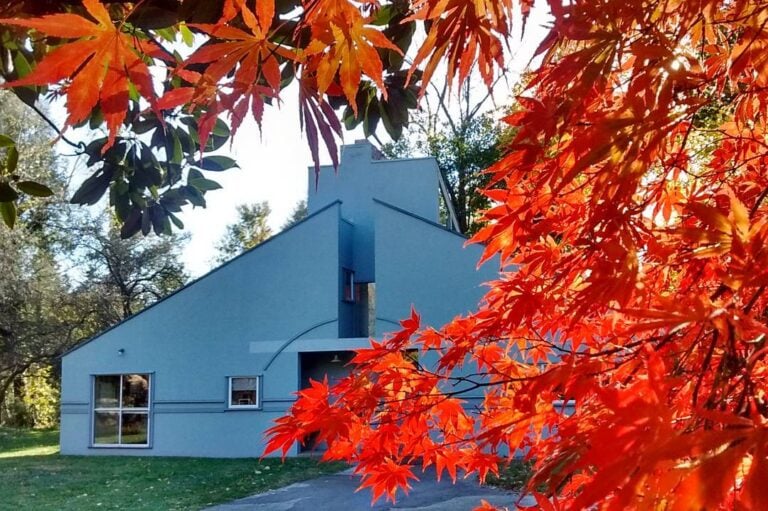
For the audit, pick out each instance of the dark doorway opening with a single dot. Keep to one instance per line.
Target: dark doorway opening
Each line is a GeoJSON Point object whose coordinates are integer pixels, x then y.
{"type": "Point", "coordinates": [317, 365]}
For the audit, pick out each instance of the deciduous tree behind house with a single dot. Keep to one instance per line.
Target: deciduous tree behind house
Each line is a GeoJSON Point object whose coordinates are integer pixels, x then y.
{"type": "Point", "coordinates": [122, 277]}
{"type": "Point", "coordinates": [250, 229]}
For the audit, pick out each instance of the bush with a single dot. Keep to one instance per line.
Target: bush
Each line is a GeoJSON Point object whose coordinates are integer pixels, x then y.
{"type": "Point", "coordinates": [41, 397]}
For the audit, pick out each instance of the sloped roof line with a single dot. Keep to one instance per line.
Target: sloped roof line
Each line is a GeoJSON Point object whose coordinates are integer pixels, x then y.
{"type": "Point", "coordinates": [198, 279]}
{"type": "Point", "coordinates": [421, 218]}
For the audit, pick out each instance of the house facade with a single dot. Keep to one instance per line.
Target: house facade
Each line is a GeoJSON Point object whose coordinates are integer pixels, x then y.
{"type": "Point", "coordinates": [205, 371]}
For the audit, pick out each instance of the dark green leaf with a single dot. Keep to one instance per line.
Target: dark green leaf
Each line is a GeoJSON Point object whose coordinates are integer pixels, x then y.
{"type": "Point", "coordinates": [6, 141]}
{"type": "Point", "coordinates": [194, 195]}
{"type": "Point", "coordinates": [7, 193]}
{"type": "Point", "coordinates": [216, 163]}
{"type": "Point", "coordinates": [220, 129]}
{"type": "Point", "coordinates": [21, 65]}
{"type": "Point", "coordinates": [188, 144]}
{"type": "Point", "coordinates": [372, 117]}
{"type": "Point", "coordinates": [138, 199]}
{"type": "Point", "coordinates": [93, 150]}
{"type": "Point", "coordinates": [34, 189]}
{"type": "Point", "coordinates": [12, 159]}
{"type": "Point", "coordinates": [157, 215]}
{"type": "Point", "coordinates": [178, 152]}
{"type": "Point", "coordinates": [121, 203]}
{"type": "Point", "coordinates": [350, 121]}
{"type": "Point", "coordinates": [146, 221]}
{"type": "Point", "coordinates": [94, 187]}
{"type": "Point", "coordinates": [385, 15]}
{"type": "Point", "coordinates": [96, 119]}
{"type": "Point", "coordinates": [195, 174]}
{"type": "Point", "coordinates": [132, 223]}
{"type": "Point", "coordinates": [205, 185]}
{"type": "Point", "coordinates": [145, 125]}
{"type": "Point", "coordinates": [178, 223]}
{"type": "Point", "coordinates": [8, 211]}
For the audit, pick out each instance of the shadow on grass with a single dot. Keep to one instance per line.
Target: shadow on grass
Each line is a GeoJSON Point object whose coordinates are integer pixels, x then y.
{"type": "Point", "coordinates": [34, 476]}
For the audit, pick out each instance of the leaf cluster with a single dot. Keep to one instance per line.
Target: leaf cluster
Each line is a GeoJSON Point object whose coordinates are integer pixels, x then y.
{"type": "Point", "coordinates": [118, 66]}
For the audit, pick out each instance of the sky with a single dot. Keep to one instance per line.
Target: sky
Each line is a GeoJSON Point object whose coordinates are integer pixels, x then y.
{"type": "Point", "coordinates": [274, 162]}
{"type": "Point", "coordinates": [273, 168]}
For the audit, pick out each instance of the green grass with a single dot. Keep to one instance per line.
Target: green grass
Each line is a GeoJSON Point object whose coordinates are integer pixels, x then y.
{"type": "Point", "coordinates": [34, 476]}
{"type": "Point", "coordinates": [25, 442]}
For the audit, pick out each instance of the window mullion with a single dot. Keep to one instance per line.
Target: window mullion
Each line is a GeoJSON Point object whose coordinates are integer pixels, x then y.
{"type": "Point", "coordinates": [120, 413]}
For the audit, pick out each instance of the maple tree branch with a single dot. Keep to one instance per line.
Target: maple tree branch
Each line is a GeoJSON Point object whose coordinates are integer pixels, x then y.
{"type": "Point", "coordinates": [754, 298]}
{"type": "Point", "coordinates": [705, 367]}
{"type": "Point", "coordinates": [79, 145]}
{"type": "Point", "coordinates": [759, 201]}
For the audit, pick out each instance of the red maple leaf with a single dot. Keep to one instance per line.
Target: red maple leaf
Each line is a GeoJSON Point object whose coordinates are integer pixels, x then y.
{"type": "Point", "coordinates": [99, 67]}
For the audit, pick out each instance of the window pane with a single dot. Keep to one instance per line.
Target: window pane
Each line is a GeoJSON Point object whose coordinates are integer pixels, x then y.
{"type": "Point", "coordinates": [105, 426]}
{"type": "Point", "coordinates": [107, 391]}
{"type": "Point", "coordinates": [135, 428]}
{"type": "Point", "coordinates": [348, 277]}
{"type": "Point", "coordinates": [136, 390]}
{"type": "Point", "coordinates": [244, 391]}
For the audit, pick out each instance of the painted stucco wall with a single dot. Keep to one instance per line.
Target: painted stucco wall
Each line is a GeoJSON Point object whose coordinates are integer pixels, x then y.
{"type": "Point", "coordinates": [427, 266]}
{"type": "Point", "coordinates": [229, 323]}
{"type": "Point", "coordinates": [410, 184]}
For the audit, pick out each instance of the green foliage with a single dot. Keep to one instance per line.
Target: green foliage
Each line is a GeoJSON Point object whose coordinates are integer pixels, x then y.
{"type": "Point", "coordinates": [38, 315]}
{"type": "Point", "coordinates": [298, 214]}
{"type": "Point", "coordinates": [123, 276]}
{"type": "Point", "coordinates": [40, 396]}
{"type": "Point", "coordinates": [16, 414]}
{"type": "Point", "coordinates": [463, 148]}
{"type": "Point", "coordinates": [145, 171]}
{"type": "Point", "coordinates": [24, 148]}
{"type": "Point", "coordinates": [150, 178]}
{"type": "Point", "coordinates": [512, 476]}
{"type": "Point", "coordinates": [34, 402]}
{"type": "Point", "coordinates": [53, 482]}
{"type": "Point", "coordinates": [249, 230]}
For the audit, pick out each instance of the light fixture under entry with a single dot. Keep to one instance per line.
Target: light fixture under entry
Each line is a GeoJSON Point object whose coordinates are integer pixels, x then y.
{"type": "Point", "coordinates": [120, 352]}
{"type": "Point", "coordinates": [335, 359]}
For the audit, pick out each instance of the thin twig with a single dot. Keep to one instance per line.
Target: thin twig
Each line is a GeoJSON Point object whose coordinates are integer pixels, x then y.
{"type": "Point", "coordinates": [78, 145]}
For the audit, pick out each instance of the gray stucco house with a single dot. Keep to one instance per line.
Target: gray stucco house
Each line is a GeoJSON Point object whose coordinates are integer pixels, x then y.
{"type": "Point", "coordinates": [205, 371]}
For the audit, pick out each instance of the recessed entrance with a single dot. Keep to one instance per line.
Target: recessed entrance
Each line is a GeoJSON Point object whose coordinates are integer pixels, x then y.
{"type": "Point", "coordinates": [317, 365]}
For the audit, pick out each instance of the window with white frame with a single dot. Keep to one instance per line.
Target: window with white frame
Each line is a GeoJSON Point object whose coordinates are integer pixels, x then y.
{"type": "Point", "coordinates": [121, 410]}
{"type": "Point", "coordinates": [244, 392]}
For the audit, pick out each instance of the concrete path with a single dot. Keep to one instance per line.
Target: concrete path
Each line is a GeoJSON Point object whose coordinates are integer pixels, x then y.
{"type": "Point", "coordinates": [337, 493]}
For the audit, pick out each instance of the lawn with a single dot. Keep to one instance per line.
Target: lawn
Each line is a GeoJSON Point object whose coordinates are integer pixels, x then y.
{"type": "Point", "coordinates": [34, 476]}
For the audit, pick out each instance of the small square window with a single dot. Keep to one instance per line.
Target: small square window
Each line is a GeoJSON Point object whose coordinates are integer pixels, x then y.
{"type": "Point", "coordinates": [244, 392]}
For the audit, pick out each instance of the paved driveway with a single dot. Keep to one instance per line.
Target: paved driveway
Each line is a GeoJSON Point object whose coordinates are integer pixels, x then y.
{"type": "Point", "coordinates": [337, 493]}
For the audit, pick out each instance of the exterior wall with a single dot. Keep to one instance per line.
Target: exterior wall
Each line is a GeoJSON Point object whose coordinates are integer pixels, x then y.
{"type": "Point", "coordinates": [427, 267]}
{"type": "Point", "coordinates": [228, 323]}
{"type": "Point", "coordinates": [410, 184]}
